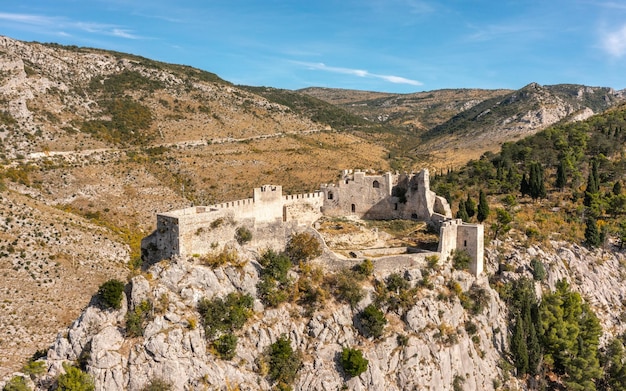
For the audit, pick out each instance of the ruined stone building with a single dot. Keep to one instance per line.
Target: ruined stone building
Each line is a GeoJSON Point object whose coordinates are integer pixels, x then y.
{"type": "Point", "coordinates": [272, 216]}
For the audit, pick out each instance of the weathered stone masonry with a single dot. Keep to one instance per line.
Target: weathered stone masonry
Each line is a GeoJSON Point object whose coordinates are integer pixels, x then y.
{"type": "Point", "coordinates": [272, 216]}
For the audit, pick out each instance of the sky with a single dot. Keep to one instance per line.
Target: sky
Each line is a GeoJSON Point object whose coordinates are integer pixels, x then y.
{"type": "Point", "coordinates": [398, 46]}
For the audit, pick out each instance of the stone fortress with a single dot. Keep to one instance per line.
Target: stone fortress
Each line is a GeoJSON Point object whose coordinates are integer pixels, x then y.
{"type": "Point", "coordinates": [271, 216]}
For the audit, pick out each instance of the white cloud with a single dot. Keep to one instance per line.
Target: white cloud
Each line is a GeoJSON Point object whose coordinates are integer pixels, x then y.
{"type": "Point", "coordinates": [27, 18]}
{"type": "Point", "coordinates": [359, 72]}
{"type": "Point", "coordinates": [53, 23]}
{"type": "Point", "coordinates": [615, 42]}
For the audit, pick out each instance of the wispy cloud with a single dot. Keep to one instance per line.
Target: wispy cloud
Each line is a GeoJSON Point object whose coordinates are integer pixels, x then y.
{"type": "Point", "coordinates": [63, 25]}
{"type": "Point", "coordinates": [358, 72]}
{"type": "Point", "coordinates": [28, 18]}
{"type": "Point", "coordinates": [614, 42]}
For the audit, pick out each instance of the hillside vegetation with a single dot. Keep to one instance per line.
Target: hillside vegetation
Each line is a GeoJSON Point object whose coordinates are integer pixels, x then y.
{"type": "Point", "coordinates": [564, 184]}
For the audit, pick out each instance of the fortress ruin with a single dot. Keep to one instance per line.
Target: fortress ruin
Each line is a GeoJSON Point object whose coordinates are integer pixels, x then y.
{"type": "Point", "coordinates": [272, 217]}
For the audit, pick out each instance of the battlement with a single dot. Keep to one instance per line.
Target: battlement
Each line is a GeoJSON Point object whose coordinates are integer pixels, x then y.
{"type": "Point", "coordinates": [378, 196]}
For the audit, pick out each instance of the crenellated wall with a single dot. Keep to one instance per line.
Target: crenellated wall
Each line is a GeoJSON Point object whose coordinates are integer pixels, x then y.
{"type": "Point", "coordinates": [271, 216]}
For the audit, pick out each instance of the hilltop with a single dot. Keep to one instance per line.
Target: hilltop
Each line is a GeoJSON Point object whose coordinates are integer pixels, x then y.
{"type": "Point", "coordinates": [95, 143]}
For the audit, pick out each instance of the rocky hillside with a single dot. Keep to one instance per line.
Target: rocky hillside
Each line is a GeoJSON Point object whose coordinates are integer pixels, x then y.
{"type": "Point", "coordinates": [453, 126]}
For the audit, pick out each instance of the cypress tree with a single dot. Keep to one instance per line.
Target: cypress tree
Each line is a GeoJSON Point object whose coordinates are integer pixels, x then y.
{"type": "Point", "coordinates": [470, 206]}
{"type": "Point", "coordinates": [561, 179]}
{"type": "Point", "coordinates": [617, 188]}
{"type": "Point", "coordinates": [483, 207]}
{"type": "Point", "coordinates": [462, 213]}
{"type": "Point", "coordinates": [593, 238]}
{"type": "Point", "coordinates": [518, 347]}
{"type": "Point", "coordinates": [524, 187]}
{"type": "Point", "coordinates": [536, 187]}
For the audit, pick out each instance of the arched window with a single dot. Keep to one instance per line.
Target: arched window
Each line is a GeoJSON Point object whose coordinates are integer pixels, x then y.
{"type": "Point", "coordinates": [353, 208]}
{"type": "Point", "coordinates": [330, 196]}
{"type": "Point", "coordinates": [375, 184]}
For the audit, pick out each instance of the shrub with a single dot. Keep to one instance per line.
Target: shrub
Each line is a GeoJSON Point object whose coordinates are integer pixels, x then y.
{"type": "Point", "coordinates": [353, 362]}
{"type": "Point", "coordinates": [34, 368]}
{"type": "Point", "coordinates": [373, 321]}
{"type": "Point", "coordinates": [243, 235]}
{"type": "Point", "coordinates": [274, 284]}
{"type": "Point", "coordinates": [17, 383]}
{"type": "Point", "coordinates": [539, 271]}
{"type": "Point", "coordinates": [110, 293]}
{"type": "Point", "coordinates": [396, 283]}
{"type": "Point", "coordinates": [346, 288]}
{"type": "Point", "coordinates": [157, 384]}
{"type": "Point", "coordinates": [227, 256]}
{"type": "Point", "coordinates": [226, 346]}
{"type": "Point", "coordinates": [303, 246]}
{"type": "Point", "coordinates": [283, 362]}
{"type": "Point", "coordinates": [365, 268]}
{"type": "Point", "coordinates": [74, 380]}
{"type": "Point", "coordinates": [460, 259]}
{"type": "Point", "coordinates": [225, 315]}
{"type": "Point", "coordinates": [136, 319]}
{"type": "Point", "coordinates": [432, 261]}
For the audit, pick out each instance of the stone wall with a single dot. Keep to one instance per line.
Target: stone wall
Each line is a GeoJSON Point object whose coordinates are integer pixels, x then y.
{"type": "Point", "coordinates": [382, 197]}
{"type": "Point", "coordinates": [454, 235]}
{"type": "Point", "coordinates": [271, 217]}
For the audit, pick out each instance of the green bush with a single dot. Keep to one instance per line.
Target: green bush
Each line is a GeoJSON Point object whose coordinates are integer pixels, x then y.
{"type": "Point", "coordinates": [225, 315]}
{"type": "Point", "coordinates": [460, 259]}
{"type": "Point", "coordinates": [365, 268]}
{"type": "Point", "coordinates": [110, 293]}
{"type": "Point", "coordinates": [373, 321]}
{"type": "Point", "coordinates": [539, 271]}
{"type": "Point", "coordinates": [157, 384]}
{"type": "Point", "coordinates": [396, 283]}
{"type": "Point", "coordinates": [225, 346]}
{"type": "Point", "coordinates": [346, 288]}
{"type": "Point", "coordinates": [274, 285]}
{"type": "Point", "coordinates": [74, 380]}
{"type": "Point", "coordinates": [17, 383]}
{"type": "Point", "coordinates": [353, 362]}
{"type": "Point", "coordinates": [243, 235]}
{"type": "Point", "coordinates": [136, 319]}
{"type": "Point", "coordinates": [303, 246]}
{"type": "Point", "coordinates": [283, 362]}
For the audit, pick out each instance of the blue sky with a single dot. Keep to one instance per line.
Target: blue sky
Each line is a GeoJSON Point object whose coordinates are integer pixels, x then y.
{"type": "Point", "coordinates": [377, 45]}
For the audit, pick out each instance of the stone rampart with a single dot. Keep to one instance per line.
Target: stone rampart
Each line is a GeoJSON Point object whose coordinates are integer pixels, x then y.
{"type": "Point", "coordinates": [272, 216]}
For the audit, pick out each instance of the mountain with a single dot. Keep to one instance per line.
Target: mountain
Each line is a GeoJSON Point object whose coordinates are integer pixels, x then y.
{"type": "Point", "coordinates": [94, 143]}
{"type": "Point", "coordinates": [457, 125]}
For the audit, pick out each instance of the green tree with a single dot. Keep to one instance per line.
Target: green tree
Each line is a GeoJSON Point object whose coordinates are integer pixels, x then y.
{"type": "Point", "coordinates": [226, 346]}
{"type": "Point", "coordinates": [225, 315]}
{"type": "Point", "coordinates": [614, 363]}
{"type": "Point", "coordinates": [470, 207]}
{"type": "Point", "coordinates": [462, 212]}
{"type": "Point", "coordinates": [524, 187]}
{"type": "Point", "coordinates": [502, 224]}
{"type": "Point", "coordinates": [561, 176]}
{"type": "Point", "coordinates": [110, 293]}
{"type": "Point", "coordinates": [593, 185]}
{"type": "Point", "coordinates": [16, 383]}
{"type": "Point", "coordinates": [74, 380]}
{"type": "Point", "coordinates": [536, 184]}
{"type": "Point", "coordinates": [303, 246]}
{"type": "Point", "coordinates": [373, 321]}
{"type": "Point", "coordinates": [593, 237]}
{"type": "Point", "coordinates": [570, 334]}
{"type": "Point", "coordinates": [353, 362]}
{"type": "Point", "coordinates": [243, 235]}
{"type": "Point", "coordinates": [519, 347]}
{"type": "Point", "coordinates": [283, 361]}
{"type": "Point", "coordinates": [617, 188]}
{"type": "Point", "coordinates": [483, 207]}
